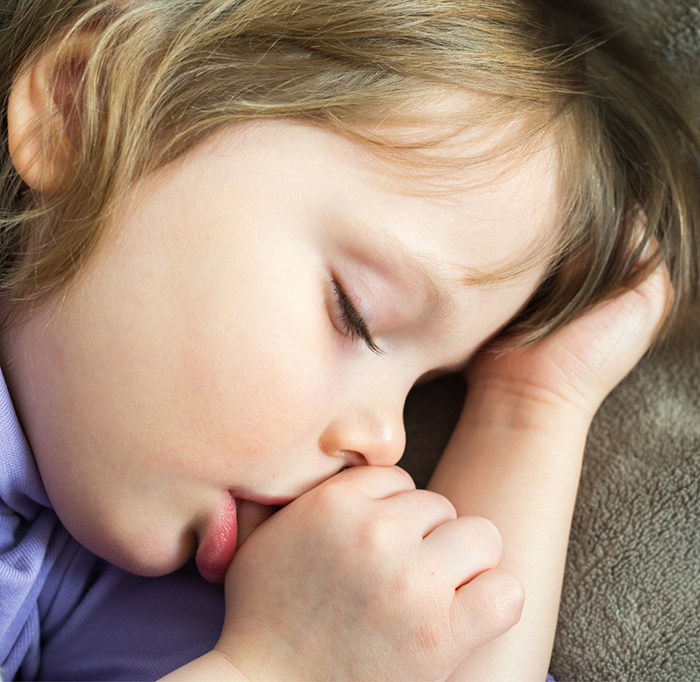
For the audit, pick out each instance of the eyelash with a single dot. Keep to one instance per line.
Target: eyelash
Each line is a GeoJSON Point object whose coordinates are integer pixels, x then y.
{"type": "Point", "coordinates": [354, 326]}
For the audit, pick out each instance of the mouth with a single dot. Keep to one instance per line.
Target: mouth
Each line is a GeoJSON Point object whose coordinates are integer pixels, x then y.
{"type": "Point", "coordinates": [218, 546]}
{"type": "Point", "coordinates": [236, 518]}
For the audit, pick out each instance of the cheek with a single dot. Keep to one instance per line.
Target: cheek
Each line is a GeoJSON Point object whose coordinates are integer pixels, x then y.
{"type": "Point", "coordinates": [268, 394]}
{"type": "Point", "coordinates": [262, 362]}
{"type": "Point", "coordinates": [255, 341]}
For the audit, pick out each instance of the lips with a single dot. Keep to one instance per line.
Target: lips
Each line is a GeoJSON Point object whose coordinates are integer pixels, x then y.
{"type": "Point", "coordinates": [218, 547]}
{"type": "Point", "coordinates": [235, 520]}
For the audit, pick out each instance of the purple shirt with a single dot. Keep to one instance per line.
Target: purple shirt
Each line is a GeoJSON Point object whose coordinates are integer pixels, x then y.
{"type": "Point", "coordinates": [65, 614]}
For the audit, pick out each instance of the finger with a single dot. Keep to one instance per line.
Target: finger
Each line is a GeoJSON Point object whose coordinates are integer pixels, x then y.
{"type": "Point", "coordinates": [376, 482]}
{"type": "Point", "coordinates": [422, 510]}
{"type": "Point", "coordinates": [627, 325]}
{"type": "Point", "coordinates": [486, 608]}
{"type": "Point", "coordinates": [654, 298]}
{"type": "Point", "coordinates": [463, 548]}
{"type": "Point", "coordinates": [250, 515]}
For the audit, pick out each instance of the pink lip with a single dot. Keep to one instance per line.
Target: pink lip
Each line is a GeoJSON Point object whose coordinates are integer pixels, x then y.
{"type": "Point", "coordinates": [218, 546]}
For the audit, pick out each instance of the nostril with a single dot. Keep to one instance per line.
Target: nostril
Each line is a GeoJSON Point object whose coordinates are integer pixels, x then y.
{"type": "Point", "coordinates": [361, 438]}
{"type": "Point", "coordinates": [352, 458]}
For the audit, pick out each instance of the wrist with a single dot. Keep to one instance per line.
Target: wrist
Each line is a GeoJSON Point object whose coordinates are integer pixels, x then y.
{"type": "Point", "coordinates": [519, 408]}
{"type": "Point", "coordinates": [215, 665]}
{"type": "Point", "coordinates": [247, 664]}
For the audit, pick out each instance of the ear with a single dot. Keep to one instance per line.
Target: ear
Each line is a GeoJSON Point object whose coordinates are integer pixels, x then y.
{"type": "Point", "coordinates": [41, 116]}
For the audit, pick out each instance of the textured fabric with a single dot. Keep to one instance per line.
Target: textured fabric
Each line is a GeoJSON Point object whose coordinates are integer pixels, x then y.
{"type": "Point", "coordinates": [30, 541]}
{"type": "Point", "coordinates": [67, 615]}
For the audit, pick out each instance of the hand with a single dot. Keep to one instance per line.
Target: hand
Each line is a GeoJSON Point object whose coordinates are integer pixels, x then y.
{"type": "Point", "coordinates": [365, 577]}
{"type": "Point", "coordinates": [581, 363]}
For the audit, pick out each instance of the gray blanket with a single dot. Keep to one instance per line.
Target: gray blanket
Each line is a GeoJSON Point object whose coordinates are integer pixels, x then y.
{"type": "Point", "coordinates": [630, 605]}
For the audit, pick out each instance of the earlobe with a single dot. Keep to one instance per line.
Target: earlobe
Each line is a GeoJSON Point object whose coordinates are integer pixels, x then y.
{"type": "Point", "coordinates": [37, 127]}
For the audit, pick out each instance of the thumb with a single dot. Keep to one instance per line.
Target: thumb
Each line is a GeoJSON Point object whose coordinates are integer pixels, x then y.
{"type": "Point", "coordinates": [250, 516]}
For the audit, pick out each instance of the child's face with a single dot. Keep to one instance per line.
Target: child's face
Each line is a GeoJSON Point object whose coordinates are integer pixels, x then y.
{"type": "Point", "coordinates": [204, 355]}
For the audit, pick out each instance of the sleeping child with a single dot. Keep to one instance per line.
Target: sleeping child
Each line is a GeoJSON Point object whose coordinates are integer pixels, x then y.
{"type": "Point", "coordinates": [235, 233]}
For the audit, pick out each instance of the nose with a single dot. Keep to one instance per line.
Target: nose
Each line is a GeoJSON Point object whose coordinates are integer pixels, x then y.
{"type": "Point", "coordinates": [374, 436]}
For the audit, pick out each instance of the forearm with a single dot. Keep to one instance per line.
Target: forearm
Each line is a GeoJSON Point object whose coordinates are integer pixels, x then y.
{"type": "Point", "coordinates": [517, 462]}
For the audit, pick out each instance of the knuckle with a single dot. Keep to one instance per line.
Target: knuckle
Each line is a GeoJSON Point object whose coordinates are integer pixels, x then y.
{"type": "Point", "coordinates": [332, 497]}
{"type": "Point", "coordinates": [435, 634]}
{"type": "Point", "coordinates": [428, 498]}
{"type": "Point", "coordinates": [359, 475]}
{"type": "Point", "coordinates": [495, 605]}
{"type": "Point", "coordinates": [505, 605]}
{"type": "Point", "coordinates": [398, 474]}
{"type": "Point", "coordinates": [403, 473]}
{"type": "Point", "coordinates": [445, 504]}
{"type": "Point", "coordinates": [376, 535]}
{"type": "Point", "coordinates": [485, 535]}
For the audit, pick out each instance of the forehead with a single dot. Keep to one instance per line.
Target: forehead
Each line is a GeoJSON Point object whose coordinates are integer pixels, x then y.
{"type": "Point", "coordinates": [490, 220]}
{"type": "Point", "coordinates": [496, 185]}
{"type": "Point", "coordinates": [304, 198]}
{"type": "Point", "coordinates": [494, 179]}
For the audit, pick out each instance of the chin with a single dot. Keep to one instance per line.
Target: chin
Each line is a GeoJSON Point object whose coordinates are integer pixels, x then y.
{"type": "Point", "coordinates": [148, 567]}
{"type": "Point", "coordinates": [144, 557]}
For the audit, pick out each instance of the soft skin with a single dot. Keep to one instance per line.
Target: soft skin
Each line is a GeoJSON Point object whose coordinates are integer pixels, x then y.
{"type": "Point", "coordinates": [516, 454]}
{"type": "Point", "coordinates": [381, 601]}
{"type": "Point", "coordinates": [202, 352]}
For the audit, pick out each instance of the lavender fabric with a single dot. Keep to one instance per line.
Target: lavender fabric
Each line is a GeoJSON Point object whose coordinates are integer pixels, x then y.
{"type": "Point", "coordinates": [65, 614]}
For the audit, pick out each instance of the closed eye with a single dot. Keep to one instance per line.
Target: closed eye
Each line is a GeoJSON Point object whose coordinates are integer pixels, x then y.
{"type": "Point", "coordinates": [354, 325]}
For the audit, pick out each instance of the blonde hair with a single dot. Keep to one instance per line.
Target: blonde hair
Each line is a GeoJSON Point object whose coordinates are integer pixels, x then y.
{"type": "Point", "coordinates": [163, 74]}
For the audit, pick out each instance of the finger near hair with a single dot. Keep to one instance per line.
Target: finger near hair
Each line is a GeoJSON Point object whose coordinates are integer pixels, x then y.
{"type": "Point", "coordinates": [486, 608]}
{"type": "Point", "coordinates": [653, 298]}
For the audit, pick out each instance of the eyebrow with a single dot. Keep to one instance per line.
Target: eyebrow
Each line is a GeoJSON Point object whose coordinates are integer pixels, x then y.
{"type": "Point", "coordinates": [405, 258]}
{"type": "Point", "coordinates": [442, 302]}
